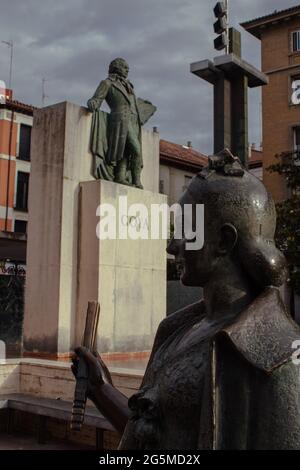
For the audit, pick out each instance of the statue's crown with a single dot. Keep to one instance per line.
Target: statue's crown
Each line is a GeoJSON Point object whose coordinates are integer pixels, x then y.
{"type": "Point", "coordinates": [225, 163]}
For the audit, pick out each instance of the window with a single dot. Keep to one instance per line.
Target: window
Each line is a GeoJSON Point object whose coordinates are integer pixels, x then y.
{"type": "Point", "coordinates": [22, 191]}
{"type": "Point", "coordinates": [296, 41]}
{"type": "Point", "coordinates": [161, 186]}
{"type": "Point", "coordinates": [24, 147]}
{"type": "Point", "coordinates": [297, 141]}
{"type": "Point", "coordinates": [21, 226]}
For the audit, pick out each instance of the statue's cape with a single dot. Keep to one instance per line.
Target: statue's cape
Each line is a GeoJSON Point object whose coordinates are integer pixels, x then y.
{"type": "Point", "coordinates": [264, 332]}
{"type": "Point", "coordinates": [102, 169]}
{"type": "Point", "coordinates": [99, 146]}
{"type": "Point", "coordinates": [145, 109]}
{"type": "Point", "coordinates": [253, 386]}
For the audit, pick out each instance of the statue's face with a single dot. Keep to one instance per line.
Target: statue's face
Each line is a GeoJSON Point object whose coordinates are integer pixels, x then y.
{"type": "Point", "coordinates": [123, 70]}
{"type": "Point", "coordinates": [120, 67]}
{"type": "Point", "coordinates": [239, 225]}
{"type": "Point", "coordinates": [198, 265]}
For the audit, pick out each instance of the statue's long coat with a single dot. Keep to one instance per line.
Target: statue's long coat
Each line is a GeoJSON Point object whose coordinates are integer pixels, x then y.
{"type": "Point", "coordinates": [109, 131]}
{"type": "Point", "coordinates": [251, 393]}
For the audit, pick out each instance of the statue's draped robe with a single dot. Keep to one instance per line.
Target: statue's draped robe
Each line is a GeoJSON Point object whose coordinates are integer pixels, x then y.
{"type": "Point", "coordinates": [238, 390]}
{"type": "Point", "coordinates": [109, 131]}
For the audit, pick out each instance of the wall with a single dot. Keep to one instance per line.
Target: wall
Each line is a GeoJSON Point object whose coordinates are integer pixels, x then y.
{"type": "Point", "coordinates": [174, 181]}
{"type": "Point", "coordinates": [279, 116]}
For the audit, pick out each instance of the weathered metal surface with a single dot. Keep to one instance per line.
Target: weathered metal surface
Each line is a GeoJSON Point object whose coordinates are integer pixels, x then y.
{"type": "Point", "coordinates": [116, 139]}
{"type": "Point", "coordinates": [213, 362]}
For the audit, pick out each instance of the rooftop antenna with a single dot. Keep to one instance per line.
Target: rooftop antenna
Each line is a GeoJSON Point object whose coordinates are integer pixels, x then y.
{"type": "Point", "coordinates": [44, 96]}
{"type": "Point", "coordinates": [10, 44]}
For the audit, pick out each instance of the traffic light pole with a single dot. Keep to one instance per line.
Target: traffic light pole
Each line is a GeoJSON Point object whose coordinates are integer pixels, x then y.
{"type": "Point", "coordinates": [231, 76]}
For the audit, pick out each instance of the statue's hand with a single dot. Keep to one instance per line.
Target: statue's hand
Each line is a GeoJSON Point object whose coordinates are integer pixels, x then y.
{"type": "Point", "coordinates": [98, 372]}
{"type": "Point", "coordinates": [91, 105]}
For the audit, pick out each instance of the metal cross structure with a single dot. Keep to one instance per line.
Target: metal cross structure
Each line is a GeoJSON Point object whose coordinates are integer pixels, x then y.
{"type": "Point", "coordinates": [231, 76]}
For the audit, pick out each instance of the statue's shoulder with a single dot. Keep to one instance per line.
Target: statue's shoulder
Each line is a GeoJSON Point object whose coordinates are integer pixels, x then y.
{"type": "Point", "coordinates": [264, 332]}
{"type": "Point", "coordinates": [107, 82]}
{"type": "Point", "coordinates": [179, 318]}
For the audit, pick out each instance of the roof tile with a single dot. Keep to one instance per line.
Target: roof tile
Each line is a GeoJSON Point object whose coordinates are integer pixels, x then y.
{"type": "Point", "coordinates": [181, 154]}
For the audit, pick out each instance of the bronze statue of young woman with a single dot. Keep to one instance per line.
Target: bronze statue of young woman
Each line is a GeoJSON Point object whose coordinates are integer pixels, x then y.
{"type": "Point", "coordinates": [221, 374]}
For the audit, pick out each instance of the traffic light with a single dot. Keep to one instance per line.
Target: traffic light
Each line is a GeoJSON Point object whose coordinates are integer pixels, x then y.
{"type": "Point", "coordinates": [220, 10]}
{"type": "Point", "coordinates": [220, 26]}
{"type": "Point", "coordinates": [221, 42]}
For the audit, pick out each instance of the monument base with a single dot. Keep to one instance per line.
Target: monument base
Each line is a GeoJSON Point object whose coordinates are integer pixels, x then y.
{"type": "Point", "coordinates": [67, 266]}
{"type": "Point", "coordinates": [126, 276]}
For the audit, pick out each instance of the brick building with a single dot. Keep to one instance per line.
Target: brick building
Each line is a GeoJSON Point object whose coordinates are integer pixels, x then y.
{"type": "Point", "coordinates": [279, 33]}
{"type": "Point", "coordinates": [15, 133]}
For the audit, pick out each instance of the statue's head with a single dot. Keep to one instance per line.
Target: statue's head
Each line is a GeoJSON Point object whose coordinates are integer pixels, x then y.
{"type": "Point", "coordinates": [119, 67]}
{"type": "Point", "coordinates": [239, 226]}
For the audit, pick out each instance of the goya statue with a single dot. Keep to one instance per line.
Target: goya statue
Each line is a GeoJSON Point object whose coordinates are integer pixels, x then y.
{"type": "Point", "coordinates": [116, 137]}
{"type": "Point", "coordinates": [221, 373]}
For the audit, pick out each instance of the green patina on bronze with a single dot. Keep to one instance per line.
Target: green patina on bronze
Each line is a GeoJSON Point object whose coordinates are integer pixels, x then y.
{"type": "Point", "coordinates": [116, 137]}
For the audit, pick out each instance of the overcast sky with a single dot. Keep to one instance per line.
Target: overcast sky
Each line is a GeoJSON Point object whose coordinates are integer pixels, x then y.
{"type": "Point", "coordinates": [71, 42]}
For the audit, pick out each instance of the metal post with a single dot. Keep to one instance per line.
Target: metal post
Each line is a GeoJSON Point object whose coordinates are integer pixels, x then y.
{"type": "Point", "coordinates": [222, 114]}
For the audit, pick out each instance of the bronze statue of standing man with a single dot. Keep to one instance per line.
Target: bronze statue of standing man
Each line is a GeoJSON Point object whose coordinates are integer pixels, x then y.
{"type": "Point", "coordinates": [116, 137]}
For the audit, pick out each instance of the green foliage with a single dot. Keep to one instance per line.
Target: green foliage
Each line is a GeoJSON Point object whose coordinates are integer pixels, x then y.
{"type": "Point", "coordinates": [288, 215]}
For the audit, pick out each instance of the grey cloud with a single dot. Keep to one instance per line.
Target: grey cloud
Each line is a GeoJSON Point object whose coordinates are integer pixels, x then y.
{"type": "Point", "coordinates": [71, 42]}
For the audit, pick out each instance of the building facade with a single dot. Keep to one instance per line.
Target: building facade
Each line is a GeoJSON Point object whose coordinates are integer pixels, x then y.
{"type": "Point", "coordinates": [178, 165]}
{"type": "Point", "coordinates": [15, 134]}
{"type": "Point", "coordinates": [279, 34]}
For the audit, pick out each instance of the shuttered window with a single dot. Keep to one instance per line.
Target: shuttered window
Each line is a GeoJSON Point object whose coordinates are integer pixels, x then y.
{"type": "Point", "coordinates": [22, 191]}
{"type": "Point", "coordinates": [297, 140]}
{"type": "Point", "coordinates": [25, 137]}
{"type": "Point", "coordinates": [296, 41]}
{"type": "Point", "coordinates": [20, 226]}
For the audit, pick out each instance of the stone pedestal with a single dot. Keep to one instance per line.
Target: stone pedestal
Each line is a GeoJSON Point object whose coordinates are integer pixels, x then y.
{"type": "Point", "coordinates": [57, 267]}
{"type": "Point", "coordinates": [127, 277]}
